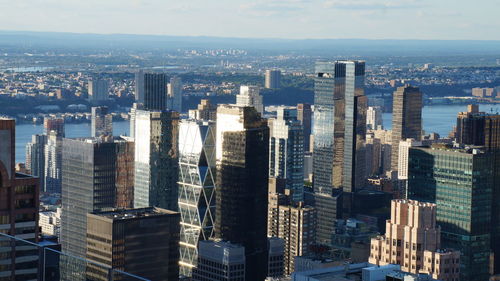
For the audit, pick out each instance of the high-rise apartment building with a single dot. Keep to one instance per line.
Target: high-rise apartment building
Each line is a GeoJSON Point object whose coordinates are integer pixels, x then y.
{"type": "Point", "coordinates": [250, 96]}
{"type": "Point", "coordinates": [155, 91]}
{"type": "Point", "coordinates": [102, 122]}
{"type": "Point", "coordinates": [98, 90]}
{"type": "Point", "coordinates": [54, 124]}
{"type": "Point", "coordinates": [242, 184]}
{"type": "Point", "coordinates": [470, 126]}
{"type": "Point", "coordinates": [403, 156]}
{"type": "Point", "coordinates": [412, 240]}
{"type": "Point", "coordinates": [18, 211]}
{"type": "Point", "coordinates": [297, 227]}
{"type": "Point", "coordinates": [339, 132]}
{"type": "Point", "coordinates": [374, 117]}
{"type": "Point", "coordinates": [273, 79]}
{"type": "Point", "coordinates": [286, 151]}
{"type": "Point", "coordinates": [139, 87]}
{"type": "Point", "coordinates": [197, 173]}
{"type": "Point", "coordinates": [406, 118]}
{"type": "Point", "coordinates": [156, 159]}
{"type": "Point", "coordinates": [35, 158]}
{"type": "Point", "coordinates": [143, 242]}
{"type": "Point", "coordinates": [205, 111]}
{"type": "Point", "coordinates": [53, 163]}
{"type": "Point", "coordinates": [220, 260]}
{"type": "Point", "coordinates": [304, 115]}
{"type": "Point", "coordinates": [174, 92]}
{"type": "Point", "coordinates": [460, 182]}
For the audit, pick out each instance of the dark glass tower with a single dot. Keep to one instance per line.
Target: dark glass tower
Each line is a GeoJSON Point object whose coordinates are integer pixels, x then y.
{"type": "Point", "coordinates": [339, 136]}
{"type": "Point", "coordinates": [406, 119]}
{"type": "Point", "coordinates": [155, 91]}
{"type": "Point", "coordinates": [242, 183]}
{"type": "Point", "coordinates": [304, 115]}
{"type": "Point", "coordinates": [460, 182]}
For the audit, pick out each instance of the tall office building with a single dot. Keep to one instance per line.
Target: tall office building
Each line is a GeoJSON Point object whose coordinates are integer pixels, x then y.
{"type": "Point", "coordinates": [412, 240]}
{"type": "Point", "coordinates": [406, 119]}
{"type": "Point", "coordinates": [373, 155]}
{"type": "Point", "coordinates": [35, 158]}
{"type": "Point", "coordinates": [220, 260]}
{"type": "Point", "coordinates": [143, 242]}
{"type": "Point", "coordinates": [54, 124]}
{"type": "Point", "coordinates": [275, 257]}
{"type": "Point", "coordinates": [250, 96]}
{"type": "Point", "coordinates": [460, 182]}
{"type": "Point", "coordinates": [133, 110]}
{"type": "Point", "coordinates": [373, 117]}
{"type": "Point", "coordinates": [304, 115]}
{"type": "Point", "coordinates": [339, 134]}
{"type": "Point", "coordinates": [102, 122]}
{"type": "Point", "coordinates": [196, 188]}
{"type": "Point", "coordinates": [88, 185]}
{"type": "Point", "coordinates": [98, 90]}
{"type": "Point", "coordinates": [297, 227]}
{"type": "Point", "coordinates": [286, 151]}
{"type": "Point", "coordinates": [470, 126]}
{"type": "Point", "coordinates": [53, 163]}
{"type": "Point", "coordinates": [139, 86]}
{"type": "Point", "coordinates": [242, 183]}
{"type": "Point", "coordinates": [273, 79]}
{"type": "Point", "coordinates": [155, 91]}
{"type": "Point", "coordinates": [174, 91]}
{"type": "Point", "coordinates": [205, 111]}
{"type": "Point", "coordinates": [403, 155]}
{"type": "Point", "coordinates": [125, 173]}
{"type": "Point", "coordinates": [156, 159]}
{"type": "Point", "coordinates": [18, 212]}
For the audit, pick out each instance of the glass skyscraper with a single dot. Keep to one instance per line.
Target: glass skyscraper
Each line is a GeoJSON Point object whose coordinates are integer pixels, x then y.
{"type": "Point", "coordinates": [242, 184]}
{"type": "Point", "coordinates": [339, 136]}
{"type": "Point", "coordinates": [460, 182]}
{"type": "Point", "coordinates": [286, 151]}
{"type": "Point", "coordinates": [196, 188]}
{"type": "Point", "coordinates": [156, 159]}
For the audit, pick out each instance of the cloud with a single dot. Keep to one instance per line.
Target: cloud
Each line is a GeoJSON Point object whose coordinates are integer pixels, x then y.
{"type": "Point", "coordinates": [274, 7]}
{"type": "Point", "coordinates": [372, 4]}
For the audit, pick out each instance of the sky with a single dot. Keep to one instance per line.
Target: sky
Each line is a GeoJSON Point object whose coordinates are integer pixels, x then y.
{"type": "Point", "coordinates": [294, 19]}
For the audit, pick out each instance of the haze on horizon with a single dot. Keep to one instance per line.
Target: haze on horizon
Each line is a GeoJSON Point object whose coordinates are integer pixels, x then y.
{"type": "Point", "coordinates": [294, 19]}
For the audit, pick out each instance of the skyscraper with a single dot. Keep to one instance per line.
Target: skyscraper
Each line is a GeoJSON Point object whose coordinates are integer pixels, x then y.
{"type": "Point", "coordinates": [250, 96]}
{"type": "Point", "coordinates": [88, 185]}
{"type": "Point", "coordinates": [339, 132]}
{"type": "Point", "coordinates": [143, 242]}
{"type": "Point", "coordinates": [242, 183]}
{"type": "Point", "coordinates": [406, 119]}
{"type": "Point", "coordinates": [125, 173]}
{"type": "Point", "coordinates": [139, 86]}
{"type": "Point", "coordinates": [174, 91]}
{"type": "Point", "coordinates": [373, 117]}
{"type": "Point", "coordinates": [460, 182]}
{"type": "Point", "coordinates": [35, 158]}
{"type": "Point", "coordinates": [304, 115]}
{"type": "Point", "coordinates": [286, 151]}
{"type": "Point", "coordinates": [18, 212]}
{"type": "Point", "coordinates": [53, 163]}
{"type": "Point", "coordinates": [217, 255]}
{"type": "Point", "coordinates": [273, 79]}
{"type": "Point", "coordinates": [98, 89]}
{"type": "Point", "coordinates": [297, 226]}
{"type": "Point", "coordinates": [196, 188]}
{"type": "Point", "coordinates": [102, 122]}
{"type": "Point", "coordinates": [205, 111]}
{"type": "Point", "coordinates": [413, 240]}
{"type": "Point", "coordinates": [155, 91]}
{"type": "Point", "coordinates": [156, 159]}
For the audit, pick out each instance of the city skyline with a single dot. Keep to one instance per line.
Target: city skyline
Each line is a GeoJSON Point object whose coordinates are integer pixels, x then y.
{"type": "Point", "coordinates": [292, 19]}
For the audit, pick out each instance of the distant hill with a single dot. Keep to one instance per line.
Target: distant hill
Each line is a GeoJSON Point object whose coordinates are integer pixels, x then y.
{"type": "Point", "coordinates": [361, 47]}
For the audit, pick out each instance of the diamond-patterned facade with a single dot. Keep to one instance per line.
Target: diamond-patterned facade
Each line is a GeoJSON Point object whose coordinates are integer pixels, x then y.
{"type": "Point", "coordinates": [196, 188]}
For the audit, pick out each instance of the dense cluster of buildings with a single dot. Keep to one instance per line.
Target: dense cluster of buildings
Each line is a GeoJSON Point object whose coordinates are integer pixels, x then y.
{"type": "Point", "coordinates": [226, 194]}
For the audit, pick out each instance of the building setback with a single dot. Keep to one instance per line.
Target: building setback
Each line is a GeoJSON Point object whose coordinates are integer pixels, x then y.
{"type": "Point", "coordinates": [143, 242]}
{"type": "Point", "coordinates": [19, 202]}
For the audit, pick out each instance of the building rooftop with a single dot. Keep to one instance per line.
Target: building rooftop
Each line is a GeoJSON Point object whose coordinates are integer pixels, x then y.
{"type": "Point", "coordinates": [121, 214]}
